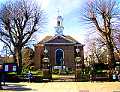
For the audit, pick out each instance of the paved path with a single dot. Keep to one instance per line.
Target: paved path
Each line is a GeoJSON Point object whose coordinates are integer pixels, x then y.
{"type": "Point", "coordinates": [63, 87]}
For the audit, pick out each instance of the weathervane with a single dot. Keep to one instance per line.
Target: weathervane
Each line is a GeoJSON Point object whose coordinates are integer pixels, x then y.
{"type": "Point", "coordinates": [58, 11]}
{"type": "Point", "coordinates": [59, 28]}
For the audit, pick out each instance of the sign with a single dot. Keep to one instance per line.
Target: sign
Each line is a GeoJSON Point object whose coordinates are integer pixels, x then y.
{"type": "Point", "coordinates": [14, 68]}
{"type": "Point", "coordinates": [59, 67]}
{"type": "Point", "coordinates": [6, 68]}
{"type": "Point", "coordinates": [10, 67]}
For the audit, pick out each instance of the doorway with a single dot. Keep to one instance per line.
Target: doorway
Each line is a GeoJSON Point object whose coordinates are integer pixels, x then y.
{"type": "Point", "coordinates": [59, 57]}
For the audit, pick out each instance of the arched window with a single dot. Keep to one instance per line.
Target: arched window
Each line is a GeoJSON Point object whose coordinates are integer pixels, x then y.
{"type": "Point", "coordinates": [59, 57]}
{"type": "Point", "coordinates": [58, 23]}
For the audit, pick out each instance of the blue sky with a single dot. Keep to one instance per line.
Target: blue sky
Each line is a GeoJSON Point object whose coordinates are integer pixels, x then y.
{"type": "Point", "coordinates": [70, 10]}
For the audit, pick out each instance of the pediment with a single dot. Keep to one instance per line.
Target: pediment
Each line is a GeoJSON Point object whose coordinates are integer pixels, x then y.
{"type": "Point", "coordinates": [59, 39]}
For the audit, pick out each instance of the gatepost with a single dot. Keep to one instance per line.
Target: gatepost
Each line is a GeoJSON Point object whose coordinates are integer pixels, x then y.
{"type": "Point", "coordinates": [46, 67]}
{"type": "Point", "coordinates": [47, 75]}
{"type": "Point", "coordinates": [78, 68]}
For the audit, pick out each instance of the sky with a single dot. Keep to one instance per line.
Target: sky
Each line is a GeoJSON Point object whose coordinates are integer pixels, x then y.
{"type": "Point", "coordinates": [70, 11]}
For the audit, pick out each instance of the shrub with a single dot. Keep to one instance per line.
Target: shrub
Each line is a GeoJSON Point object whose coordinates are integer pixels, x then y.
{"type": "Point", "coordinates": [12, 78]}
{"type": "Point", "coordinates": [46, 74]}
{"type": "Point", "coordinates": [55, 71]}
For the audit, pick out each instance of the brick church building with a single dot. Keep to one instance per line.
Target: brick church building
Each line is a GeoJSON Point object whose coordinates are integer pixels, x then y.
{"type": "Point", "coordinates": [61, 49]}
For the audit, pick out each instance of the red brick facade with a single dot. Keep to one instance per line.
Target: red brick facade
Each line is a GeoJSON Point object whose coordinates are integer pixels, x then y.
{"type": "Point", "coordinates": [52, 44]}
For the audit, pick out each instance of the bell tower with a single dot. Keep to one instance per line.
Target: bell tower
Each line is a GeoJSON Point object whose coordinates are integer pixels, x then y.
{"type": "Point", "coordinates": [59, 28]}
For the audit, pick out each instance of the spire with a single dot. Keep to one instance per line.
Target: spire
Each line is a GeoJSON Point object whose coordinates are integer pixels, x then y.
{"type": "Point", "coordinates": [58, 12]}
{"type": "Point", "coordinates": [59, 27]}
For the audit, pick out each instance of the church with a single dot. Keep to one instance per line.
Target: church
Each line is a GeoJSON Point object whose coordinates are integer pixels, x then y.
{"type": "Point", "coordinates": [61, 49]}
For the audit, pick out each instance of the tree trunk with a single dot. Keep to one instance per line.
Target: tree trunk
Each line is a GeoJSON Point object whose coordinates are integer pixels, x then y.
{"type": "Point", "coordinates": [14, 58]}
{"type": "Point", "coordinates": [111, 58]}
{"type": "Point", "coordinates": [18, 59]}
{"type": "Point", "coordinates": [110, 51]}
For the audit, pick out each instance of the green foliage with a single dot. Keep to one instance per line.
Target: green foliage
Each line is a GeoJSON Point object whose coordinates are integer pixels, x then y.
{"type": "Point", "coordinates": [46, 74]}
{"type": "Point", "coordinates": [33, 71]}
{"type": "Point", "coordinates": [37, 72]}
{"type": "Point", "coordinates": [87, 70]}
{"type": "Point", "coordinates": [55, 71]}
{"type": "Point", "coordinates": [12, 73]}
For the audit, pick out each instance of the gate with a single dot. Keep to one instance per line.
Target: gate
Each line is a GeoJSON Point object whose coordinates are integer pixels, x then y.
{"type": "Point", "coordinates": [48, 69]}
{"type": "Point", "coordinates": [61, 74]}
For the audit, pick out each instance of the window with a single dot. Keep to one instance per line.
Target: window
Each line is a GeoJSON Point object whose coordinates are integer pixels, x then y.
{"type": "Point", "coordinates": [58, 23]}
{"type": "Point", "coordinates": [59, 57]}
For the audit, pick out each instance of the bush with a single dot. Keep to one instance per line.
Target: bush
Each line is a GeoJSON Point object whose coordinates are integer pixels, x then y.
{"type": "Point", "coordinates": [37, 72]}
{"type": "Point", "coordinates": [37, 78]}
{"type": "Point", "coordinates": [46, 74]}
{"type": "Point", "coordinates": [12, 78]}
{"type": "Point", "coordinates": [63, 72]}
{"type": "Point", "coordinates": [85, 78]}
{"type": "Point", "coordinates": [55, 71]}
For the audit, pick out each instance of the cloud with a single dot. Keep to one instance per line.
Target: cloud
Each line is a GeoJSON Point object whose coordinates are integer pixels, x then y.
{"type": "Point", "coordinates": [66, 7]}
{"type": "Point", "coordinates": [69, 9]}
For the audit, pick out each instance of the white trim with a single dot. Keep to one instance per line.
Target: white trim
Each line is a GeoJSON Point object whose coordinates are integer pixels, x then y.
{"type": "Point", "coordinates": [69, 39]}
{"type": "Point", "coordinates": [60, 43]}
{"type": "Point", "coordinates": [79, 44]}
{"type": "Point", "coordinates": [52, 38]}
{"type": "Point", "coordinates": [63, 54]}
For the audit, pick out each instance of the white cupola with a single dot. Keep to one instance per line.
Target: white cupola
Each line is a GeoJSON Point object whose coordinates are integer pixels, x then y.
{"type": "Point", "coordinates": [59, 28]}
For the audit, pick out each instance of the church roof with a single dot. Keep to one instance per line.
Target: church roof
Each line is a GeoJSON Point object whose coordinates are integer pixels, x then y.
{"type": "Point", "coordinates": [71, 38]}
{"type": "Point", "coordinates": [58, 39]}
{"type": "Point", "coordinates": [45, 39]}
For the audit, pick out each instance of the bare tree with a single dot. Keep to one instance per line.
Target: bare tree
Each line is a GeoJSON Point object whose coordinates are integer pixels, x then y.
{"type": "Point", "coordinates": [116, 42]}
{"type": "Point", "coordinates": [97, 50]}
{"type": "Point", "coordinates": [103, 15]}
{"type": "Point", "coordinates": [19, 20]}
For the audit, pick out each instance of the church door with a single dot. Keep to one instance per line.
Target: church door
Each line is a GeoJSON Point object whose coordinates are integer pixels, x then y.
{"type": "Point", "coordinates": [59, 57]}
